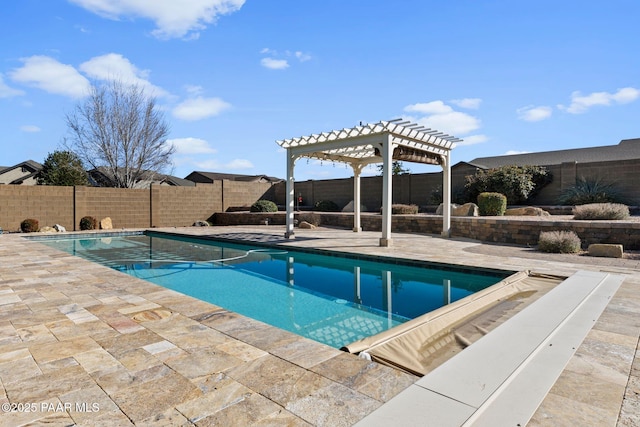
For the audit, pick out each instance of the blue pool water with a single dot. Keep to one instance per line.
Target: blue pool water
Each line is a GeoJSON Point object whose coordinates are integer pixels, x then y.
{"type": "Point", "coordinates": [329, 299]}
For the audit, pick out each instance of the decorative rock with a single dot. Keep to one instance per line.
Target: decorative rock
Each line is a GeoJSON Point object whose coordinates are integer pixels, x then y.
{"type": "Point", "coordinates": [468, 209]}
{"type": "Point", "coordinates": [201, 223]}
{"type": "Point", "coordinates": [605, 250]}
{"type": "Point", "coordinates": [526, 211]}
{"type": "Point", "coordinates": [350, 207]}
{"type": "Point", "coordinates": [48, 229]}
{"type": "Point", "coordinates": [105, 224]}
{"type": "Point", "coordinates": [305, 224]}
{"type": "Point", "coordinates": [59, 228]}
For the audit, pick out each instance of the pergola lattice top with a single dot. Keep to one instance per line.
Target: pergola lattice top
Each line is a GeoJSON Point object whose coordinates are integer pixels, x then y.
{"type": "Point", "coordinates": [355, 145]}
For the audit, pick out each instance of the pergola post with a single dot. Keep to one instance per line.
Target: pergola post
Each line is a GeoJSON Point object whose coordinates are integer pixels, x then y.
{"type": "Point", "coordinates": [446, 195]}
{"type": "Point", "coordinates": [357, 169]}
{"type": "Point", "coordinates": [387, 190]}
{"type": "Point", "coordinates": [290, 197]}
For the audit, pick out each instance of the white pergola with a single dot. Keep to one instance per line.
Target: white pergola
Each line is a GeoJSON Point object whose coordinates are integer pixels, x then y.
{"type": "Point", "coordinates": [374, 143]}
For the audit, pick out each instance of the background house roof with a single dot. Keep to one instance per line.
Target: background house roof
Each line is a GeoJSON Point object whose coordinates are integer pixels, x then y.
{"type": "Point", "coordinates": [209, 177]}
{"type": "Point", "coordinates": [625, 150]}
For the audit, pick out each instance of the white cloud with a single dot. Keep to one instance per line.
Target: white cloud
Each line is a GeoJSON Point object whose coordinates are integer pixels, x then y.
{"type": "Point", "coordinates": [472, 140]}
{"type": "Point", "coordinates": [200, 108]}
{"type": "Point", "coordinates": [52, 76]}
{"type": "Point", "coordinates": [433, 107]}
{"type": "Point", "coordinates": [581, 103]}
{"type": "Point", "coordinates": [274, 64]}
{"type": "Point", "coordinates": [470, 103]}
{"type": "Point", "coordinates": [303, 57]}
{"type": "Point", "coordinates": [114, 66]}
{"type": "Point", "coordinates": [6, 91]}
{"type": "Point", "coordinates": [173, 19]}
{"type": "Point", "coordinates": [191, 146]}
{"type": "Point", "coordinates": [534, 114]}
{"type": "Point", "coordinates": [439, 116]}
{"type": "Point", "coordinates": [30, 128]}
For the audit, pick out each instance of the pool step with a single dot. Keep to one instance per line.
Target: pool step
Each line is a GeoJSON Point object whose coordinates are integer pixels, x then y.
{"type": "Point", "coordinates": [502, 378]}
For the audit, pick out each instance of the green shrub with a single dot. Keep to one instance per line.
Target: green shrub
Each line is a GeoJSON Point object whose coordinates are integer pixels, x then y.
{"type": "Point", "coordinates": [492, 204]}
{"type": "Point", "coordinates": [264, 206]}
{"type": "Point", "coordinates": [88, 223]}
{"type": "Point", "coordinates": [601, 211]}
{"type": "Point", "coordinates": [591, 190]}
{"type": "Point", "coordinates": [564, 242]}
{"type": "Point", "coordinates": [401, 209]}
{"type": "Point", "coordinates": [326, 206]}
{"type": "Point", "coordinates": [518, 183]}
{"type": "Point", "coordinates": [29, 225]}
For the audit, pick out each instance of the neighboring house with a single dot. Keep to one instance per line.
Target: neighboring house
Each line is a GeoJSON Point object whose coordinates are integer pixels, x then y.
{"type": "Point", "coordinates": [25, 173]}
{"type": "Point", "coordinates": [210, 177]}
{"type": "Point", "coordinates": [627, 149]}
{"type": "Point", "coordinates": [102, 177]}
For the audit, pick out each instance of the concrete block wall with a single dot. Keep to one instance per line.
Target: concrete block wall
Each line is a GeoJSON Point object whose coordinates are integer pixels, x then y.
{"type": "Point", "coordinates": [49, 205]}
{"type": "Point", "coordinates": [182, 206]}
{"type": "Point", "coordinates": [240, 194]}
{"type": "Point", "coordinates": [127, 208]}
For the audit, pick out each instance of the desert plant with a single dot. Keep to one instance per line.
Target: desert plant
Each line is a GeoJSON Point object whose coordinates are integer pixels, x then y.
{"type": "Point", "coordinates": [29, 225]}
{"type": "Point", "coordinates": [88, 223]}
{"type": "Point", "coordinates": [601, 211]}
{"type": "Point", "coordinates": [402, 209]}
{"type": "Point", "coordinates": [517, 183]}
{"type": "Point", "coordinates": [591, 190]}
{"type": "Point", "coordinates": [564, 242]}
{"type": "Point", "coordinates": [492, 204]}
{"type": "Point", "coordinates": [326, 206]}
{"type": "Point", "coordinates": [264, 206]}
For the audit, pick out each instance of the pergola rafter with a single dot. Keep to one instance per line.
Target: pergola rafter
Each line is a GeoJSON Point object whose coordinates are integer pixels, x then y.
{"type": "Point", "coordinates": [380, 142]}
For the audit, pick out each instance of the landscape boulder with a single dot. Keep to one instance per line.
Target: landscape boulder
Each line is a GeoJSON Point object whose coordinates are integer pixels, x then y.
{"type": "Point", "coordinates": [201, 223]}
{"type": "Point", "coordinates": [305, 224]}
{"type": "Point", "coordinates": [468, 209]}
{"type": "Point", "coordinates": [350, 207]}
{"type": "Point", "coordinates": [605, 250]}
{"type": "Point", "coordinates": [106, 224]}
{"type": "Point", "coordinates": [48, 229]}
{"type": "Point", "coordinates": [526, 211]}
{"type": "Point", "coordinates": [59, 228]}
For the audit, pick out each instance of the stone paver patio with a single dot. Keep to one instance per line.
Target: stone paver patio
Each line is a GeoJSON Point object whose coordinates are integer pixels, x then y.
{"type": "Point", "coordinates": [82, 344]}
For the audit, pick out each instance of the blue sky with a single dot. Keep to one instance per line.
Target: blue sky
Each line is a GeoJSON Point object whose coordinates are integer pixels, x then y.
{"type": "Point", "coordinates": [234, 76]}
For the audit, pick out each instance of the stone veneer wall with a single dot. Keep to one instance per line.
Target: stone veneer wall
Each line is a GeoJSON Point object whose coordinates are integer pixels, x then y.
{"type": "Point", "coordinates": [487, 229]}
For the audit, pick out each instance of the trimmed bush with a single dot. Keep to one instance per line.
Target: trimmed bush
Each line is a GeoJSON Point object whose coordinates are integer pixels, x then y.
{"type": "Point", "coordinates": [401, 209]}
{"type": "Point", "coordinates": [29, 225]}
{"type": "Point", "coordinates": [326, 206]}
{"type": "Point", "coordinates": [88, 223]}
{"type": "Point", "coordinates": [492, 204]}
{"type": "Point", "coordinates": [264, 206]}
{"type": "Point", "coordinates": [601, 211]}
{"type": "Point", "coordinates": [591, 190]}
{"type": "Point", "coordinates": [564, 242]}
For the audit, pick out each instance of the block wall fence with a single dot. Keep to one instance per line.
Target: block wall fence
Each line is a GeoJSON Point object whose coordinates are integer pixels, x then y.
{"type": "Point", "coordinates": [417, 188]}
{"type": "Point", "coordinates": [166, 206]}
{"type": "Point", "coordinates": [158, 206]}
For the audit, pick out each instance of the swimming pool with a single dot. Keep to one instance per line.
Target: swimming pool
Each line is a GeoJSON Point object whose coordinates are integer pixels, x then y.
{"type": "Point", "coordinates": [331, 299]}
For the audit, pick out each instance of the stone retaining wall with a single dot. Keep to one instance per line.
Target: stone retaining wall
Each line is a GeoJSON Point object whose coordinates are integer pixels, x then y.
{"type": "Point", "coordinates": [515, 230]}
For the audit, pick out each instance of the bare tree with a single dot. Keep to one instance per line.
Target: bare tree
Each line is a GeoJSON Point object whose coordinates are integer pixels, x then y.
{"type": "Point", "coordinates": [119, 129]}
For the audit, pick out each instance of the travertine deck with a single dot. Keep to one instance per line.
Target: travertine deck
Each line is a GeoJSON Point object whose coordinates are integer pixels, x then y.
{"type": "Point", "coordinates": [84, 344]}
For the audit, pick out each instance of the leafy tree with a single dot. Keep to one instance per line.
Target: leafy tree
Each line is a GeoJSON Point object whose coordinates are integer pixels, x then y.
{"type": "Point", "coordinates": [119, 128]}
{"type": "Point", "coordinates": [62, 168]}
{"type": "Point", "coordinates": [518, 183]}
{"type": "Point", "coordinates": [397, 168]}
